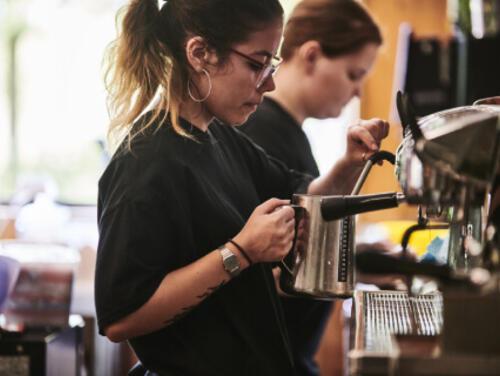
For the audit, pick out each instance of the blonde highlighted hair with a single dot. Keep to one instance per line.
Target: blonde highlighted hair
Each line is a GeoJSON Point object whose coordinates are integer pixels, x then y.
{"type": "Point", "coordinates": [147, 61]}
{"type": "Point", "coordinates": [139, 69]}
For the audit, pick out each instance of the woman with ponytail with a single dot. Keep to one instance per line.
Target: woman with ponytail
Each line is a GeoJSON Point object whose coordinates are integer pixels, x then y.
{"type": "Point", "coordinates": [191, 213]}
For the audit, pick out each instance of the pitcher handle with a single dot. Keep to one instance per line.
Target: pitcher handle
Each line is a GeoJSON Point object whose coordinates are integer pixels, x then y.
{"type": "Point", "coordinates": [299, 213]}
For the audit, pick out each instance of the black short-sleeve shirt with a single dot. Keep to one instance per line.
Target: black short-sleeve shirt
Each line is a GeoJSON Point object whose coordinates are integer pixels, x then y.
{"type": "Point", "coordinates": [273, 128]}
{"type": "Point", "coordinates": [280, 135]}
{"type": "Point", "coordinates": [167, 202]}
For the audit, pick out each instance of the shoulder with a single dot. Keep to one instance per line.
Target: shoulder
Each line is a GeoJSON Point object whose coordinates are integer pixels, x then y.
{"type": "Point", "coordinates": [270, 126]}
{"type": "Point", "coordinates": [267, 113]}
{"type": "Point", "coordinates": [228, 134]}
{"type": "Point", "coordinates": [145, 169]}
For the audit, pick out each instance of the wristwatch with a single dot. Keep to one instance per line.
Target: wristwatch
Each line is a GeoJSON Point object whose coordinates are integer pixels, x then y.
{"type": "Point", "coordinates": [230, 262]}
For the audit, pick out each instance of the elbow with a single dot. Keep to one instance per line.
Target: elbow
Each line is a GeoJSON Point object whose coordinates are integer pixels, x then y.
{"type": "Point", "coordinates": [115, 333]}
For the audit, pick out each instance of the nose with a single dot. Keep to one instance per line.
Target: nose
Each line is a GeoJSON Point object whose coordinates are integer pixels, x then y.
{"type": "Point", "coordinates": [267, 85]}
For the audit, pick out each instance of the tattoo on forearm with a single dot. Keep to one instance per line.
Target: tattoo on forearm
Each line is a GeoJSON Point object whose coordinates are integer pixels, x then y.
{"type": "Point", "coordinates": [210, 291]}
{"type": "Point", "coordinates": [178, 316]}
{"type": "Point", "coordinates": [185, 310]}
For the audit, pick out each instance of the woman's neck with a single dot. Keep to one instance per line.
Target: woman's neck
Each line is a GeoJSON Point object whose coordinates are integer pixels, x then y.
{"type": "Point", "coordinates": [288, 93]}
{"type": "Point", "coordinates": [196, 114]}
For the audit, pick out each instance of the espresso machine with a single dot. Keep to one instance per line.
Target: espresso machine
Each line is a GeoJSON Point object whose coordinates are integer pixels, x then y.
{"type": "Point", "coordinates": [445, 166]}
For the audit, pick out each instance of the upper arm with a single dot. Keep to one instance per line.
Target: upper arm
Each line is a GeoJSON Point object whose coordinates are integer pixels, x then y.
{"type": "Point", "coordinates": [138, 245]}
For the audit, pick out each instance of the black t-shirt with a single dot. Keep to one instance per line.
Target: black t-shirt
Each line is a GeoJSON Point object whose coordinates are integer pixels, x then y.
{"type": "Point", "coordinates": [168, 202]}
{"type": "Point", "coordinates": [282, 137]}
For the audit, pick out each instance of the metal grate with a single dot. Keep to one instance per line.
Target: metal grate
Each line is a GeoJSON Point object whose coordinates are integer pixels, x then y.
{"type": "Point", "coordinates": [389, 313]}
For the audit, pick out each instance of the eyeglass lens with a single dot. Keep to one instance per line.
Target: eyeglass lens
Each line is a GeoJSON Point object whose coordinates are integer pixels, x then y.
{"type": "Point", "coordinates": [267, 72]}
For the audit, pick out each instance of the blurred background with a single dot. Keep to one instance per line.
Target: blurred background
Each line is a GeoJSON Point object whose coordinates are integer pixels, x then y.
{"type": "Point", "coordinates": [53, 123]}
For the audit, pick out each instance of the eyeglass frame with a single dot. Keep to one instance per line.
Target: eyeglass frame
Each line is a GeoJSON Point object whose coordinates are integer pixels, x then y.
{"type": "Point", "coordinates": [267, 69]}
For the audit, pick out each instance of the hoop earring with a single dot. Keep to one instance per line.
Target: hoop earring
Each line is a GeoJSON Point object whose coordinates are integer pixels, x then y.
{"type": "Point", "coordinates": [199, 100]}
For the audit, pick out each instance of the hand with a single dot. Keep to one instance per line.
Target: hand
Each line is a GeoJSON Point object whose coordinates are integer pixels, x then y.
{"type": "Point", "coordinates": [364, 139]}
{"type": "Point", "coordinates": [268, 234]}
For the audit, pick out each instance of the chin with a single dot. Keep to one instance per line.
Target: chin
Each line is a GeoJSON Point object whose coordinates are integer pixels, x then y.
{"type": "Point", "coordinates": [234, 120]}
{"type": "Point", "coordinates": [241, 118]}
{"type": "Point", "coordinates": [237, 116]}
{"type": "Point", "coordinates": [334, 112]}
{"type": "Point", "coordinates": [326, 113]}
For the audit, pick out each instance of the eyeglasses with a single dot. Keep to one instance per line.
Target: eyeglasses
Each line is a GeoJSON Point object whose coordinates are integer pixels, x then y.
{"type": "Point", "coordinates": [266, 70]}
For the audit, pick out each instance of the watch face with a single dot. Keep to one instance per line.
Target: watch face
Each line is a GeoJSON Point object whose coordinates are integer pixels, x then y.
{"type": "Point", "coordinates": [231, 263]}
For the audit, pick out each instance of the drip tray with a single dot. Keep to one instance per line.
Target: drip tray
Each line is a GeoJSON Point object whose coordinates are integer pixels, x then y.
{"type": "Point", "coordinates": [389, 326]}
{"type": "Point", "coordinates": [394, 334]}
{"type": "Point", "coordinates": [393, 313]}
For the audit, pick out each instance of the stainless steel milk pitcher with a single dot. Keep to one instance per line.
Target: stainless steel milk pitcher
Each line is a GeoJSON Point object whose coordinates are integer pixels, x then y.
{"type": "Point", "coordinates": [320, 264]}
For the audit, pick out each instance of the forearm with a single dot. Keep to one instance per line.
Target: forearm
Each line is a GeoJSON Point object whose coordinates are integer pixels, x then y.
{"type": "Point", "coordinates": [179, 292]}
{"type": "Point", "coordinates": [363, 140]}
{"type": "Point", "coordinates": [340, 180]}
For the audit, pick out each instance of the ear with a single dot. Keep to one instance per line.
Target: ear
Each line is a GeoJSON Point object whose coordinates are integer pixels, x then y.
{"type": "Point", "coordinates": [309, 54]}
{"type": "Point", "coordinates": [198, 54]}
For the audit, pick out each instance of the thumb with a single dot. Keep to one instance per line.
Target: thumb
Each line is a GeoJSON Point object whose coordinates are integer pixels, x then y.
{"type": "Point", "coordinates": [270, 205]}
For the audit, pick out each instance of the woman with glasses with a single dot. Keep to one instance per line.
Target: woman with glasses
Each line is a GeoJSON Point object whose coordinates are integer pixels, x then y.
{"type": "Point", "coordinates": [191, 212]}
{"type": "Point", "coordinates": [329, 47]}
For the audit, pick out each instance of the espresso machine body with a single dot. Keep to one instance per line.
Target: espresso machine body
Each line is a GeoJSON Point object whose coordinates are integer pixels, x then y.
{"type": "Point", "coordinates": [445, 167]}
{"type": "Point", "coordinates": [449, 170]}
{"type": "Point", "coordinates": [459, 151]}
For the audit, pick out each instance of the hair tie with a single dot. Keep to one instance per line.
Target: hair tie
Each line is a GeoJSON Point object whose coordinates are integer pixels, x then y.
{"type": "Point", "coordinates": [240, 248]}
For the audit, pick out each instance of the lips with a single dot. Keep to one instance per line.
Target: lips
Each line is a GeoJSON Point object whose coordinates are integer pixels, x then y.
{"type": "Point", "coordinates": [252, 104]}
{"type": "Point", "coordinates": [255, 103]}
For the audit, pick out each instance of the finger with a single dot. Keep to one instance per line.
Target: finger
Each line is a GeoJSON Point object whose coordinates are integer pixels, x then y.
{"type": "Point", "coordinates": [378, 128]}
{"type": "Point", "coordinates": [387, 128]}
{"type": "Point", "coordinates": [384, 130]}
{"type": "Point", "coordinates": [290, 220]}
{"type": "Point", "coordinates": [276, 272]}
{"type": "Point", "coordinates": [285, 213]}
{"type": "Point", "coordinates": [290, 228]}
{"type": "Point", "coordinates": [285, 231]}
{"type": "Point", "coordinates": [270, 205]}
{"type": "Point", "coordinates": [363, 137]}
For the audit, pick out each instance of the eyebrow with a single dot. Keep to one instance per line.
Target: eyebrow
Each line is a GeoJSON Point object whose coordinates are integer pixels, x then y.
{"type": "Point", "coordinates": [263, 53]}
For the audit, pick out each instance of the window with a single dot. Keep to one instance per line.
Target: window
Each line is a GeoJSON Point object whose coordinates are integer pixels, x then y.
{"type": "Point", "coordinates": [53, 116]}
{"type": "Point", "coordinates": [328, 137]}
{"type": "Point", "coordinates": [55, 98]}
